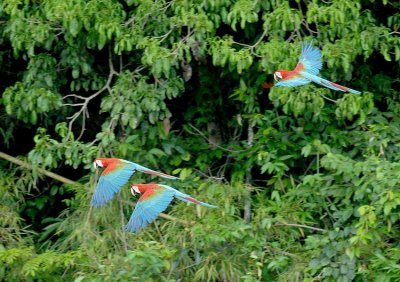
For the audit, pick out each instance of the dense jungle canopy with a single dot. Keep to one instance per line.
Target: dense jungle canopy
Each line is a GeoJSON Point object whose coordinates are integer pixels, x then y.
{"type": "Point", "coordinates": [306, 179]}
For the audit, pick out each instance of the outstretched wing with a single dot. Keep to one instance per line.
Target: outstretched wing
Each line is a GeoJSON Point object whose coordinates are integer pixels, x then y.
{"type": "Point", "coordinates": [111, 181]}
{"type": "Point", "coordinates": [310, 59]}
{"type": "Point", "coordinates": [293, 81]}
{"type": "Point", "coordinates": [150, 205]}
{"type": "Point", "coordinates": [153, 172]}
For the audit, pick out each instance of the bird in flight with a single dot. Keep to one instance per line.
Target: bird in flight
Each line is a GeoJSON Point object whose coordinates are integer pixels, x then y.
{"type": "Point", "coordinates": [154, 200]}
{"type": "Point", "coordinates": [115, 175]}
{"type": "Point", "coordinates": [307, 70]}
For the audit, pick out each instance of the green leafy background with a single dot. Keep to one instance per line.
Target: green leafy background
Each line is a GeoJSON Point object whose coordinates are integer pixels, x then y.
{"type": "Point", "coordinates": [306, 179]}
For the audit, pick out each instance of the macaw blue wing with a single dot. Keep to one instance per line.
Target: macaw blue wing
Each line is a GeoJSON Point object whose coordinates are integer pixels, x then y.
{"type": "Point", "coordinates": [110, 182]}
{"type": "Point", "coordinates": [291, 82]}
{"type": "Point", "coordinates": [149, 206]}
{"type": "Point", "coordinates": [310, 59]}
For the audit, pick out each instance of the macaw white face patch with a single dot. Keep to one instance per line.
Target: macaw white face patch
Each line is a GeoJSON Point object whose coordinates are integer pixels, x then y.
{"type": "Point", "coordinates": [98, 163]}
{"type": "Point", "coordinates": [135, 189]}
{"type": "Point", "coordinates": [277, 75]}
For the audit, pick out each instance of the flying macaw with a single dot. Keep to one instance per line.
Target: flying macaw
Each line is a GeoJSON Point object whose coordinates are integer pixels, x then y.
{"type": "Point", "coordinates": [116, 174]}
{"type": "Point", "coordinates": [307, 70]}
{"type": "Point", "coordinates": [155, 199]}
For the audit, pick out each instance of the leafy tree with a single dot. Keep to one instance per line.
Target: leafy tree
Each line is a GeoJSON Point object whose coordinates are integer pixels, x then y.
{"type": "Point", "coordinates": [306, 179]}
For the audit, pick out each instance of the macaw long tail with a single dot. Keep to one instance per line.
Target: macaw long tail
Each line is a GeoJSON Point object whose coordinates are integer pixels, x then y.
{"type": "Point", "coordinates": [328, 84]}
{"type": "Point", "coordinates": [188, 199]}
{"type": "Point", "coordinates": [153, 172]}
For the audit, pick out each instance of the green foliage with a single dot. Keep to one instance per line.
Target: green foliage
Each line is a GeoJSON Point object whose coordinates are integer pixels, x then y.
{"type": "Point", "coordinates": [26, 104]}
{"type": "Point", "coordinates": [176, 86]}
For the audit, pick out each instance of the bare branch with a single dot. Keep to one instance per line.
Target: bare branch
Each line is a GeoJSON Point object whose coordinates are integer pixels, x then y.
{"type": "Point", "coordinates": [42, 171]}
{"type": "Point", "coordinates": [252, 47]}
{"type": "Point", "coordinates": [84, 110]}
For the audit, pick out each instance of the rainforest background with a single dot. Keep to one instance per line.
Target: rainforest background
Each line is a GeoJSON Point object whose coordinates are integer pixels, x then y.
{"type": "Point", "coordinates": [307, 180]}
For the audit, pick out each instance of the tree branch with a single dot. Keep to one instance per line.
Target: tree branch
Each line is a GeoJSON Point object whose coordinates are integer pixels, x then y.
{"type": "Point", "coordinates": [42, 171]}
{"type": "Point", "coordinates": [247, 200]}
{"type": "Point", "coordinates": [83, 110]}
{"type": "Point", "coordinates": [252, 47]}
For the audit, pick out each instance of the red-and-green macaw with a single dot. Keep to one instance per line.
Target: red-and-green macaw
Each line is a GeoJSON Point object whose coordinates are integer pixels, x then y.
{"type": "Point", "coordinates": [116, 174]}
{"type": "Point", "coordinates": [307, 70]}
{"type": "Point", "coordinates": [155, 199]}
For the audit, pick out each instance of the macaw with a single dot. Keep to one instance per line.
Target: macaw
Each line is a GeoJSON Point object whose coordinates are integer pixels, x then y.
{"type": "Point", "coordinates": [307, 70]}
{"type": "Point", "coordinates": [116, 174]}
{"type": "Point", "coordinates": [155, 199]}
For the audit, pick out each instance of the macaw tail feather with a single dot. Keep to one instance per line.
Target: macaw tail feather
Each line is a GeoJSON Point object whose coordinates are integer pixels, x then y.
{"type": "Point", "coordinates": [153, 172]}
{"type": "Point", "coordinates": [328, 84]}
{"type": "Point", "coordinates": [189, 199]}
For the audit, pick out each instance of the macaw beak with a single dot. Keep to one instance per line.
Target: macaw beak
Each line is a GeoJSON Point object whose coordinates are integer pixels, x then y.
{"type": "Point", "coordinates": [275, 77]}
{"type": "Point", "coordinates": [95, 165]}
{"type": "Point", "coordinates": [133, 191]}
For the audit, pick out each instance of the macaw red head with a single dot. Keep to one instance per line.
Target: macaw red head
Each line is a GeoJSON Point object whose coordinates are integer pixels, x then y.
{"type": "Point", "coordinates": [141, 188]}
{"type": "Point", "coordinates": [98, 163]}
{"type": "Point", "coordinates": [278, 75]}
{"type": "Point", "coordinates": [105, 162]}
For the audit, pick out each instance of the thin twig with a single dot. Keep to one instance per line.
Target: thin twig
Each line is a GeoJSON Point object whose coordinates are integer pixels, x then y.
{"type": "Point", "coordinates": [209, 176]}
{"type": "Point", "coordinates": [252, 47]}
{"type": "Point", "coordinates": [214, 144]}
{"type": "Point", "coordinates": [190, 33]}
{"type": "Point", "coordinates": [247, 200]}
{"type": "Point", "coordinates": [158, 231]}
{"type": "Point", "coordinates": [329, 99]}
{"type": "Point", "coordinates": [300, 226]}
{"type": "Point", "coordinates": [122, 217]}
